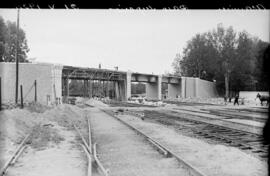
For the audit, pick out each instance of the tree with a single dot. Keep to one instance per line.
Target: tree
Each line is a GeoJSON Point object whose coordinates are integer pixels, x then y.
{"type": "Point", "coordinates": [3, 36]}
{"type": "Point", "coordinates": [259, 71]}
{"type": "Point", "coordinates": [8, 39]}
{"type": "Point", "coordinates": [198, 58]}
{"type": "Point", "coordinates": [233, 59]}
{"type": "Point", "coordinates": [225, 43]}
{"type": "Point", "coordinates": [176, 65]}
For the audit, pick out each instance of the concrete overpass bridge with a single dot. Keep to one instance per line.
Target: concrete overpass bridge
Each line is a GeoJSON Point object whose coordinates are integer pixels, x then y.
{"type": "Point", "coordinates": [177, 86]}
{"type": "Point", "coordinates": [54, 80]}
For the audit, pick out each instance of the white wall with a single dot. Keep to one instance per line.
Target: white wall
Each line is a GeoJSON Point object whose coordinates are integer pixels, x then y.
{"type": "Point", "coordinates": [46, 75]}
{"type": "Point", "coordinates": [206, 89]}
{"type": "Point", "coordinates": [190, 87]}
{"type": "Point", "coordinates": [195, 87]}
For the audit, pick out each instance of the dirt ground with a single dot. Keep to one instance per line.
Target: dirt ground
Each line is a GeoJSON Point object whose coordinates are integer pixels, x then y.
{"type": "Point", "coordinates": [53, 148]}
{"type": "Point", "coordinates": [211, 159]}
{"type": "Point", "coordinates": [124, 152]}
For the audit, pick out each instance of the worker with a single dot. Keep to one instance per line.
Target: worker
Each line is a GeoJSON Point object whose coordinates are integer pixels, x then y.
{"type": "Point", "coordinates": [236, 100]}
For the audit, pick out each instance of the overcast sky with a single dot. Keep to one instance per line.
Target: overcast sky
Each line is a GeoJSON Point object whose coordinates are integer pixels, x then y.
{"type": "Point", "coordinates": [138, 40]}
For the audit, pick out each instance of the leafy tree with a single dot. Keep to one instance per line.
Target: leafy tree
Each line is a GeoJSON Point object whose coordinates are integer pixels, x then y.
{"type": "Point", "coordinates": [8, 42]}
{"type": "Point", "coordinates": [233, 59]}
{"type": "Point", "coordinates": [3, 35]}
{"type": "Point", "coordinates": [176, 65]}
{"type": "Point", "coordinates": [260, 74]}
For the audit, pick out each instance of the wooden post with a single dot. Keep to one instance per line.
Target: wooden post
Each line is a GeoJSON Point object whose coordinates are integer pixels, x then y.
{"type": "Point", "coordinates": [35, 83]}
{"type": "Point", "coordinates": [21, 96]}
{"type": "Point", "coordinates": [17, 59]}
{"type": "Point", "coordinates": [0, 95]}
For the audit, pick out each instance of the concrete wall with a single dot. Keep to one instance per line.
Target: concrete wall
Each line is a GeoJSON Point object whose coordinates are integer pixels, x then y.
{"type": "Point", "coordinates": [153, 90]}
{"type": "Point", "coordinates": [190, 90]}
{"type": "Point", "coordinates": [195, 87]}
{"type": "Point", "coordinates": [47, 75]}
{"type": "Point", "coordinates": [174, 90]}
{"type": "Point", "coordinates": [205, 89]}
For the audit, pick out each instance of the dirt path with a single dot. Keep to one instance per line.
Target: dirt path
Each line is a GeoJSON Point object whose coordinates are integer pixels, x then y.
{"type": "Point", "coordinates": [62, 159]}
{"type": "Point", "coordinates": [125, 153]}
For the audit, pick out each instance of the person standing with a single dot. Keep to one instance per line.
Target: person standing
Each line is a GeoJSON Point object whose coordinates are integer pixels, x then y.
{"type": "Point", "coordinates": [236, 100]}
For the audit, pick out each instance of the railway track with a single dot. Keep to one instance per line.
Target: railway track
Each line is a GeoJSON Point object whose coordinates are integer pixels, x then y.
{"type": "Point", "coordinates": [90, 150]}
{"type": "Point", "coordinates": [248, 142]}
{"type": "Point", "coordinates": [191, 103]}
{"type": "Point", "coordinates": [161, 148]}
{"type": "Point", "coordinates": [258, 110]}
{"type": "Point", "coordinates": [126, 104]}
{"type": "Point", "coordinates": [228, 114]}
{"type": "Point", "coordinates": [14, 157]}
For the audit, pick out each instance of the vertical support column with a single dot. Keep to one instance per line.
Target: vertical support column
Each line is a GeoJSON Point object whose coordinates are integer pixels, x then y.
{"type": "Point", "coordinates": [183, 87]}
{"type": "Point", "coordinates": [90, 88]}
{"type": "Point", "coordinates": [153, 90]}
{"type": "Point", "coordinates": [159, 86]}
{"type": "Point", "coordinates": [63, 87]}
{"type": "Point", "coordinates": [196, 88]}
{"type": "Point", "coordinates": [67, 86]}
{"type": "Point", "coordinates": [84, 88]}
{"type": "Point", "coordinates": [117, 94]}
{"type": "Point", "coordinates": [128, 86]}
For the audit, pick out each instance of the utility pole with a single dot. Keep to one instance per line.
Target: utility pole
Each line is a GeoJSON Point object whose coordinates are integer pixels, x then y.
{"type": "Point", "coordinates": [17, 58]}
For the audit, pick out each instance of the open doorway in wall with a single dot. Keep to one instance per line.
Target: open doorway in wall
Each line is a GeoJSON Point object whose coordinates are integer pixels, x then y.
{"type": "Point", "coordinates": [138, 91]}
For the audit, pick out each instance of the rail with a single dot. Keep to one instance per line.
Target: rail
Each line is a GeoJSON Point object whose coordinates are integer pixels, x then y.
{"type": "Point", "coordinates": [163, 150]}
{"type": "Point", "coordinates": [87, 147]}
{"type": "Point", "coordinates": [15, 155]}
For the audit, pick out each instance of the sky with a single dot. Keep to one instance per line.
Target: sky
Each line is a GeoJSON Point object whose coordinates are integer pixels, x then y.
{"type": "Point", "coordinates": [144, 41]}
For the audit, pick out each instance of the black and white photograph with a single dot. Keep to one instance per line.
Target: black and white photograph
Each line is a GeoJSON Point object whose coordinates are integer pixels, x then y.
{"type": "Point", "coordinates": [134, 92]}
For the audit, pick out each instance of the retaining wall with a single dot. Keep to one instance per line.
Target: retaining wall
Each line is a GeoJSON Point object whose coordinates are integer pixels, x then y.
{"type": "Point", "coordinates": [206, 89]}
{"type": "Point", "coordinates": [195, 87]}
{"type": "Point", "coordinates": [48, 77]}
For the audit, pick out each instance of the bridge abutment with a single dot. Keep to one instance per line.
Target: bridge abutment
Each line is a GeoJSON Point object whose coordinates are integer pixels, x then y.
{"type": "Point", "coordinates": [174, 90]}
{"type": "Point", "coordinates": [153, 90]}
{"type": "Point", "coordinates": [128, 86]}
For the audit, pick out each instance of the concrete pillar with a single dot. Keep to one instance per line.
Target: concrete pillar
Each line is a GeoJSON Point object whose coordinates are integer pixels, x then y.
{"type": "Point", "coordinates": [183, 87]}
{"type": "Point", "coordinates": [67, 84]}
{"type": "Point", "coordinates": [117, 93]}
{"type": "Point", "coordinates": [196, 87]}
{"type": "Point", "coordinates": [159, 87]}
{"type": "Point", "coordinates": [122, 90]}
{"type": "Point", "coordinates": [174, 90]}
{"type": "Point", "coordinates": [128, 86]}
{"type": "Point", "coordinates": [153, 90]}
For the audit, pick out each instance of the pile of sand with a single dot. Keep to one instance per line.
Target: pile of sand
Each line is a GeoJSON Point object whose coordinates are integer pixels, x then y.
{"type": "Point", "coordinates": [66, 115]}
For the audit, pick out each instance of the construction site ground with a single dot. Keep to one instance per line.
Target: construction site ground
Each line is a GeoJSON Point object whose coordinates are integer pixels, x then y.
{"type": "Point", "coordinates": [55, 150]}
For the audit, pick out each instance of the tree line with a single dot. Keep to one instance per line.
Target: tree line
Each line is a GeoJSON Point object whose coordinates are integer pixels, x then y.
{"type": "Point", "coordinates": [233, 59]}
{"type": "Point", "coordinates": [8, 42]}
